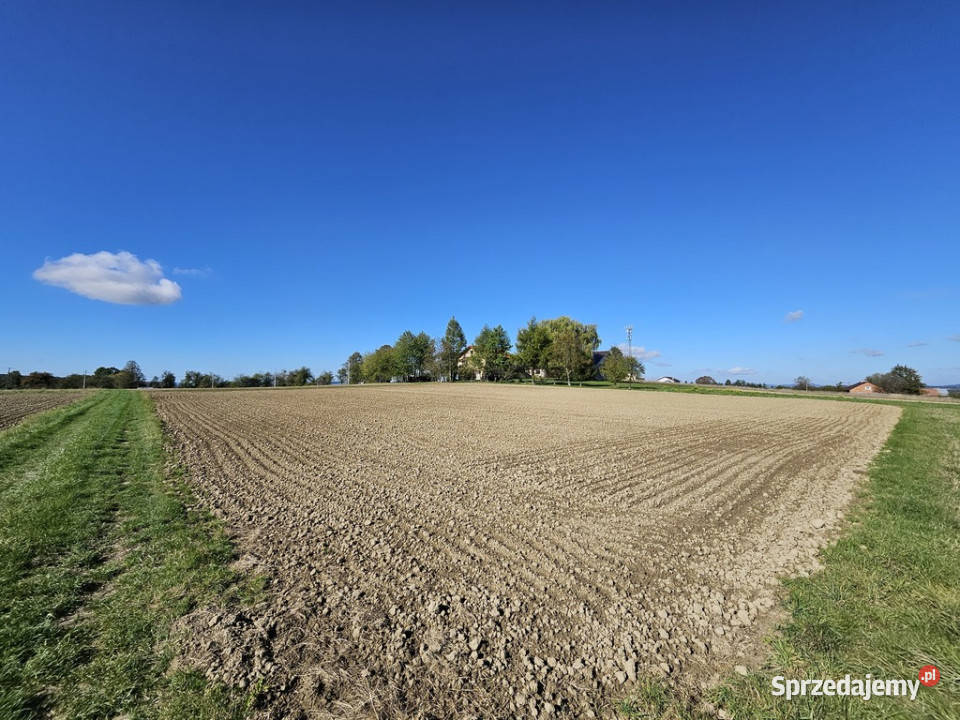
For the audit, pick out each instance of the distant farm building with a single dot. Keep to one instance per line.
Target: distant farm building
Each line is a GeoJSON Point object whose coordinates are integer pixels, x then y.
{"type": "Point", "coordinates": [667, 379]}
{"type": "Point", "coordinates": [866, 387]}
{"type": "Point", "coordinates": [463, 364]}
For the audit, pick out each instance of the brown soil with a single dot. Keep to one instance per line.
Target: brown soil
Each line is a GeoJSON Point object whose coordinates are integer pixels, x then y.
{"type": "Point", "coordinates": [15, 405]}
{"type": "Point", "coordinates": [457, 551]}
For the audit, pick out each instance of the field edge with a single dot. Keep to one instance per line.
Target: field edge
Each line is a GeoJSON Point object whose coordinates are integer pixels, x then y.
{"type": "Point", "coordinates": [885, 602]}
{"type": "Point", "coordinates": [107, 549]}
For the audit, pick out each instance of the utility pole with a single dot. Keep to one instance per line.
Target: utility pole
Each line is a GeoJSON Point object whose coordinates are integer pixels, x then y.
{"type": "Point", "coordinates": [84, 379]}
{"type": "Point", "coordinates": [630, 348]}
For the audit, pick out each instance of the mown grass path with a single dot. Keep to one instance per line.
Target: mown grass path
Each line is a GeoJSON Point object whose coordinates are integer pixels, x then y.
{"type": "Point", "coordinates": [98, 557]}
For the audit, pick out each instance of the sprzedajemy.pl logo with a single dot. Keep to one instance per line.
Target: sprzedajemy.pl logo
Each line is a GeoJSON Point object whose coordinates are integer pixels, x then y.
{"type": "Point", "coordinates": [866, 687]}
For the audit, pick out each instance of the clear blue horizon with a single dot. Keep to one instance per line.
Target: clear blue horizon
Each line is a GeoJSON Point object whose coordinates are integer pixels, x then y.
{"type": "Point", "coordinates": [315, 179]}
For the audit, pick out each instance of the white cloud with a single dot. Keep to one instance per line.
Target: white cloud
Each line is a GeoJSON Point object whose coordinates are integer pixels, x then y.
{"type": "Point", "coordinates": [869, 352]}
{"type": "Point", "coordinates": [917, 343]}
{"type": "Point", "coordinates": [639, 352]}
{"type": "Point", "coordinates": [112, 277]}
{"type": "Point", "coordinates": [793, 316]}
{"type": "Point", "coordinates": [737, 370]}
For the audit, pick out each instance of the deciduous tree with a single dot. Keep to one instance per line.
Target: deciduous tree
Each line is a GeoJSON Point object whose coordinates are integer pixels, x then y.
{"type": "Point", "coordinates": [616, 366]}
{"type": "Point", "coordinates": [355, 368]}
{"type": "Point", "coordinates": [136, 374]}
{"type": "Point", "coordinates": [571, 347]}
{"type": "Point", "coordinates": [491, 352]}
{"type": "Point", "coordinates": [533, 345]}
{"type": "Point", "coordinates": [412, 354]}
{"type": "Point", "coordinates": [380, 365]}
{"type": "Point", "coordinates": [900, 379]}
{"type": "Point", "coordinates": [39, 379]}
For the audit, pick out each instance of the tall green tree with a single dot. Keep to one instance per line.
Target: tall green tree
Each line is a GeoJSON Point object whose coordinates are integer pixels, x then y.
{"type": "Point", "coordinates": [566, 353]}
{"type": "Point", "coordinates": [136, 374]}
{"type": "Point", "coordinates": [354, 367]}
{"type": "Point", "coordinates": [572, 345]}
{"type": "Point", "coordinates": [910, 380]}
{"type": "Point", "coordinates": [491, 352]}
{"type": "Point", "coordinates": [167, 379]}
{"type": "Point", "coordinates": [403, 352]}
{"type": "Point", "coordinates": [301, 376]}
{"type": "Point", "coordinates": [380, 365]}
{"type": "Point", "coordinates": [424, 348]}
{"type": "Point", "coordinates": [617, 366]}
{"type": "Point", "coordinates": [412, 354]}
{"type": "Point", "coordinates": [533, 345]}
{"type": "Point", "coordinates": [103, 377]}
{"type": "Point", "coordinates": [452, 345]}
{"type": "Point", "coordinates": [900, 379]}
{"type": "Point", "coordinates": [324, 378]}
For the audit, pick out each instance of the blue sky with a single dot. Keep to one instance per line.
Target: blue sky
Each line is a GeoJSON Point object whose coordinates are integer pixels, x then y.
{"type": "Point", "coordinates": [330, 174]}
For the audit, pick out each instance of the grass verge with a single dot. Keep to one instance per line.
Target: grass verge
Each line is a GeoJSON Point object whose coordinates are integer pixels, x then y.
{"type": "Point", "coordinates": [99, 555]}
{"type": "Point", "coordinates": [886, 602]}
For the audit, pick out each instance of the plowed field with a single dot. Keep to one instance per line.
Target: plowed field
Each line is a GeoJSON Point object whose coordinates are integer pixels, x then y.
{"type": "Point", "coordinates": [15, 405]}
{"type": "Point", "coordinates": [496, 551]}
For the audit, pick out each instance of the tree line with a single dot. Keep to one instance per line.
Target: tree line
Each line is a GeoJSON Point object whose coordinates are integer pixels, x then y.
{"type": "Point", "coordinates": [131, 376]}
{"type": "Point", "coordinates": [557, 349]}
{"type": "Point", "coordinates": [901, 379]}
{"type": "Point", "coordinates": [285, 378]}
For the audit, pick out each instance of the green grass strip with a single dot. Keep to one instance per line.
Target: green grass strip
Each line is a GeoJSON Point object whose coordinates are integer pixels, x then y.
{"type": "Point", "coordinates": [99, 555]}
